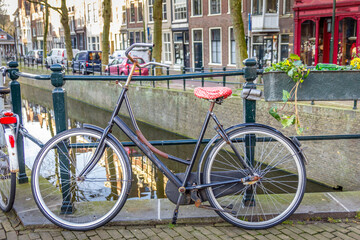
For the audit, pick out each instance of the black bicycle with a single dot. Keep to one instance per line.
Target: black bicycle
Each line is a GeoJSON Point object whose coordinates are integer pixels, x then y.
{"type": "Point", "coordinates": [250, 174]}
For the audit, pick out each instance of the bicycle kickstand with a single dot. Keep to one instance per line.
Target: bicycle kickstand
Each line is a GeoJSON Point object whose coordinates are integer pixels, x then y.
{"type": "Point", "coordinates": [176, 211]}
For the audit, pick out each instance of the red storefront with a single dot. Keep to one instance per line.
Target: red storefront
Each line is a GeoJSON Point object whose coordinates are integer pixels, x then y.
{"type": "Point", "coordinates": [313, 30]}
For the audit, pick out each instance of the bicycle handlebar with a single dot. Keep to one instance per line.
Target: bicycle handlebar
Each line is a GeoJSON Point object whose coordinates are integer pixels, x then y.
{"type": "Point", "coordinates": [155, 63]}
{"type": "Point", "coordinates": [128, 50]}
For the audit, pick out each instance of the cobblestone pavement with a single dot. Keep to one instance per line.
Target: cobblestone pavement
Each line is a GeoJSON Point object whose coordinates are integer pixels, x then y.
{"type": "Point", "coordinates": [11, 228]}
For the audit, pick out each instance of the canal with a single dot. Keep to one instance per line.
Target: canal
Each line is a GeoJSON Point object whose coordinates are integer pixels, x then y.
{"type": "Point", "coordinates": [148, 182]}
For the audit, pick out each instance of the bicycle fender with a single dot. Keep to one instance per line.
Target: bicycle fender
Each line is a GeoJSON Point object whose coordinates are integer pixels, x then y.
{"type": "Point", "coordinates": [228, 130]}
{"type": "Point", "coordinates": [112, 137]}
{"type": "Point", "coordinates": [12, 149]}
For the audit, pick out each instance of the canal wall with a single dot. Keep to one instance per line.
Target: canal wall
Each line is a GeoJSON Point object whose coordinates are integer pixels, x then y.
{"type": "Point", "coordinates": [332, 162]}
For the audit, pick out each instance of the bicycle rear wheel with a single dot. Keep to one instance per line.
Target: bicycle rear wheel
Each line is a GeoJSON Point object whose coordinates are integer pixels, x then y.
{"type": "Point", "coordinates": [268, 201]}
{"type": "Point", "coordinates": [7, 178]}
{"type": "Point", "coordinates": [80, 203]}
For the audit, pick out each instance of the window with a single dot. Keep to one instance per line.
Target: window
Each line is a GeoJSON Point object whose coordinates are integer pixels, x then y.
{"type": "Point", "coordinates": [140, 12]}
{"type": "Point", "coordinates": [95, 12]}
{"type": "Point", "coordinates": [123, 41]}
{"type": "Point", "coordinates": [164, 17]}
{"type": "Point", "coordinates": [215, 45]}
{"type": "Point", "coordinates": [232, 47]}
{"type": "Point", "coordinates": [287, 7]}
{"type": "Point", "coordinates": [215, 6]}
{"type": "Point", "coordinates": [151, 10]}
{"type": "Point", "coordinates": [196, 8]}
{"type": "Point", "coordinates": [180, 10]}
{"type": "Point", "coordinates": [131, 39]}
{"type": "Point", "coordinates": [284, 47]}
{"type": "Point", "coordinates": [132, 12]}
{"type": "Point", "coordinates": [93, 43]}
{"type": "Point", "coordinates": [257, 7]}
{"type": "Point", "coordinates": [89, 12]}
{"type": "Point", "coordinates": [167, 47]}
{"type": "Point", "coordinates": [124, 14]}
{"type": "Point", "coordinates": [271, 6]}
{"type": "Point", "coordinates": [137, 37]}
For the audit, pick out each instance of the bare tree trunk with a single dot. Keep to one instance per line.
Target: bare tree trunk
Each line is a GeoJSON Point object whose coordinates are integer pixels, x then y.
{"type": "Point", "coordinates": [239, 33]}
{"type": "Point", "coordinates": [46, 30]}
{"type": "Point", "coordinates": [106, 30]}
{"type": "Point", "coordinates": [157, 32]}
{"type": "Point", "coordinates": [65, 22]}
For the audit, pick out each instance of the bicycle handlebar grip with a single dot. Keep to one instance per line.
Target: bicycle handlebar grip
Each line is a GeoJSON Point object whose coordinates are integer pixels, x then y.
{"type": "Point", "coordinates": [127, 51]}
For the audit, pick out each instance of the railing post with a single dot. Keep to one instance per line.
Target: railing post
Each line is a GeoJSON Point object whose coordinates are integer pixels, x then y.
{"type": "Point", "coordinates": [16, 108]}
{"type": "Point", "coordinates": [224, 77]}
{"type": "Point", "coordinates": [202, 79]}
{"type": "Point", "coordinates": [184, 80]}
{"type": "Point", "coordinates": [249, 111]}
{"type": "Point", "coordinates": [168, 73]}
{"type": "Point", "coordinates": [355, 104]}
{"type": "Point", "coordinates": [60, 112]}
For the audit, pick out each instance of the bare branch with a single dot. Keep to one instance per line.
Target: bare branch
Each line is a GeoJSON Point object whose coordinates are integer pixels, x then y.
{"type": "Point", "coordinates": [58, 9]}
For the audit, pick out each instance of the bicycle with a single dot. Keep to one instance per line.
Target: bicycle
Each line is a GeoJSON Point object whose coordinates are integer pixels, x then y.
{"type": "Point", "coordinates": [251, 174]}
{"type": "Point", "coordinates": [9, 165]}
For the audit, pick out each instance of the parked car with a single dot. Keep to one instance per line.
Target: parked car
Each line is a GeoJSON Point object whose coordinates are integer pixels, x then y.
{"type": "Point", "coordinates": [58, 55]}
{"type": "Point", "coordinates": [124, 66]}
{"type": "Point", "coordinates": [117, 54]}
{"type": "Point", "coordinates": [87, 61]}
{"type": "Point", "coordinates": [34, 56]}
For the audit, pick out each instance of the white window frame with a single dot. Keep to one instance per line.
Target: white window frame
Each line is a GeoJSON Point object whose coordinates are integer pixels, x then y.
{"type": "Point", "coordinates": [173, 12]}
{"type": "Point", "coordinates": [142, 12]}
{"type": "Point", "coordinates": [89, 12]}
{"type": "Point", "coordinates": [96, 15]}
{"type": "Point", "coordinates": [229, 60]}
{"type": "Point", "coordinates": [210, 47]}
{"type": "Point", "coordinates": [283, 10]}
{"type": "Point", "coordinates": [170, 47]}
{"type": "Point", "coordinates": [192, 45]}
{"type": "Point", "coordinates": [164, 10]}
{"type": "Point", "coordinates": [152, 12]}
{"type": "Point", "coordinates": [123, 16]}
{"type": "Point", "coordinates": [209, 9]}
{"type": "Point", "coordinates": [281, 43]}
{"type": "Point", "coordinates": [202, 9]}
{"type": "Point", "coordinates": [130, 20]}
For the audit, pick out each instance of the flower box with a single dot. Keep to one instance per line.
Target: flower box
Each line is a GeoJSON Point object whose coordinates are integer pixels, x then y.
{"type": "Point", "coordinates": [318, 86]}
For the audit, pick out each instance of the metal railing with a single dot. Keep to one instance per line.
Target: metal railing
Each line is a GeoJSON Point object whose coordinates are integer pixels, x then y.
{"type": "Point", "coordinates": [58, 78]}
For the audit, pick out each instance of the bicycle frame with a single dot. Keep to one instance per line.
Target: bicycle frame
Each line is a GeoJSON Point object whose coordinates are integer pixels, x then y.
{"type": "Point", "coordinates": [149, 150]}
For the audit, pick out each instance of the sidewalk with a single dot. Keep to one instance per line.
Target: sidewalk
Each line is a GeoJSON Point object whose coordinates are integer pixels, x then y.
{"type": "Point", "coordinates": [11, 228]}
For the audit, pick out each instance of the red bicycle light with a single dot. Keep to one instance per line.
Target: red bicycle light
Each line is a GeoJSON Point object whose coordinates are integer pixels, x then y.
{"type": "Point", "coordinates": [8, 120]}
{"type": "Point", "coordinates": [12, 141]}
{"type": "Point", "coordinates": [8, 114]}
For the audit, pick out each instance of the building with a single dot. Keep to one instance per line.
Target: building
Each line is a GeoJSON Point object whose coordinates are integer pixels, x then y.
{"type": "Point", "coordinates": [313, 30]}
{"type": "Point", "coordinates": [271, 33]}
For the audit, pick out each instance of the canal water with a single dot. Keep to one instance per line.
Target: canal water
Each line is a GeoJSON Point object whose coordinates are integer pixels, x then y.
{"type": "Point", "coordinates": [148, 181]}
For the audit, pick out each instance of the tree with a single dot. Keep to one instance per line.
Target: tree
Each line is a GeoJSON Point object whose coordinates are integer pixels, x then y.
{"type": "Point", "coordinates": [5, 23]}
{"type": "Point", "coordinates": [239, 33]}
{"type": "Point", "coordinates": [106, 30]}
{"type": "Point", "coordinates": [46, 29]}
{"type": "Point", "coordinates": [64, 19]}
{"type": "Point", "coordinates": [157, 32]}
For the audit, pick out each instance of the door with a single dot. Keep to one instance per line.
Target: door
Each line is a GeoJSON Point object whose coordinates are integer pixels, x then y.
{"type": "Point", "coordinates": [326, 39]}
{"type": "Point", "coordinates": [198, 52]}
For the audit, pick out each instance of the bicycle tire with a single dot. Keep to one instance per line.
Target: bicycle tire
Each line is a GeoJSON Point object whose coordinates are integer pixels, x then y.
{"type": "Point", "coordinates": [92, 201]}
{"type": "Point", "coordinates": [270, 200]}
{"type": "Point", "coordinates": [7, 178]}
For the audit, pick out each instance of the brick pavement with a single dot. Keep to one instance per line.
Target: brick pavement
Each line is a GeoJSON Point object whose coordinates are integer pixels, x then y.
{"type": "Point", "coordinates": [11, 228]}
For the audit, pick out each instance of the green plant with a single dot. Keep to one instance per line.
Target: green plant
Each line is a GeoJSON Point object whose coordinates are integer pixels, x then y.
{"type": "Point", "coordinates": [332, 220]}
{"type": "Point", "coordinates": [297, 71]}
{"type": "Point", "coordinates": [357, 216]}
{"type": "Point", "coordinates": [288, 222]}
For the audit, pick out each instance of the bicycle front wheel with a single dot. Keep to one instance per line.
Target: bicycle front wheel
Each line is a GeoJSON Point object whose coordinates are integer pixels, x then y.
{"type": "Point", "coordinates": [7, 178]}
{"type": "Point", "coordinates": [80, 203]}
{"type": "Point", "coordinates": [263, 203]}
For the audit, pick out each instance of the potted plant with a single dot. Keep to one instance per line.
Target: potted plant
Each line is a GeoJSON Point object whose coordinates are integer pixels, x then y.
{"type": "Point", "coordinates": [290, 80]}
